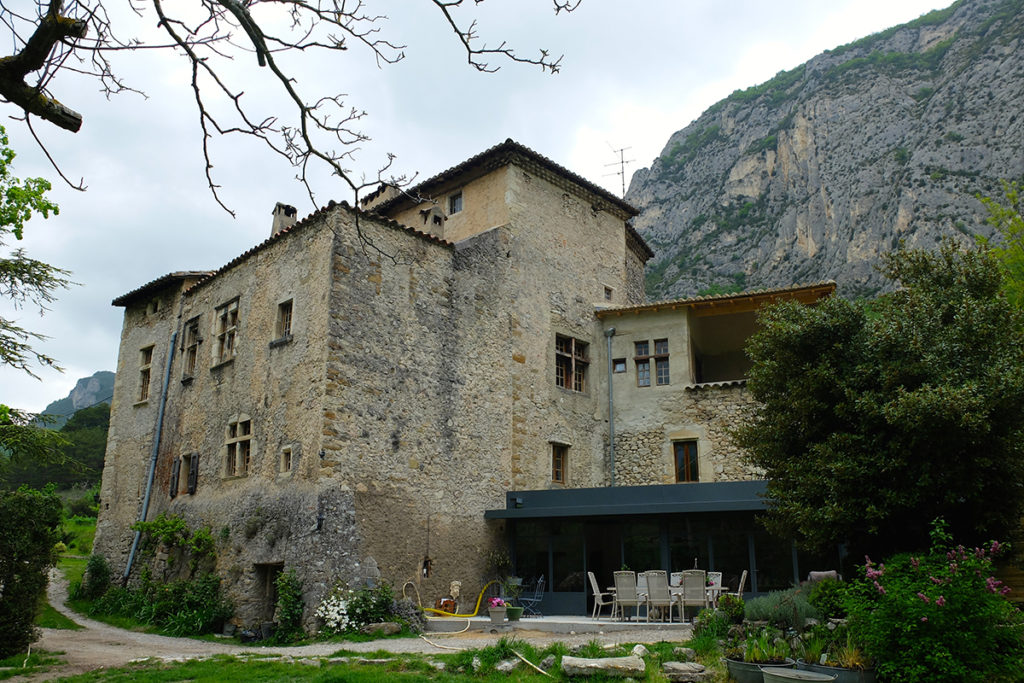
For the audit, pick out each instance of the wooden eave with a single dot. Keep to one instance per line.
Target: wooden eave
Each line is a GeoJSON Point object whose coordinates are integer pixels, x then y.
{"type": "Point", "coordinates": [729, 304]}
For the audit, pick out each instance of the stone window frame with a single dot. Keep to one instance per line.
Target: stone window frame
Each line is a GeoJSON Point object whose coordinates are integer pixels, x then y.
{"type": "Point", "coordinates": [571, 362]}
{"type": "Point", "coordinates": [559, 462]}
{"type": "Point", "coordinates": [283, 322]}
{"type": "Point", "coordinates": [618, 365]}
{"type": "Point", "coordinates": [145, 372]}
{"type": "Point", "coordinates": [190, 463]}
{"type": "Point", "coordinates": [456, 203]}
{"type": "Point", "coordinates": [226, 320]}
{"type": "Point", "coordinates": [287, 460]}
{"type": "Point", "coordinates": [238, 447]}
{"type": "Point", "coordinates": [190, 349]}
{"type": "Point", "coordinates": [690, 461]}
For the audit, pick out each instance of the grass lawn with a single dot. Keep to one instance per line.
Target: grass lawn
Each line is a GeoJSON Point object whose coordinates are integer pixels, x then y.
{"type": "Point", "coordinates": [20, 665]}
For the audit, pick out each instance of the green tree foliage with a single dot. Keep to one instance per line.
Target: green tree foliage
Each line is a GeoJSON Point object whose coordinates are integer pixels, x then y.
{"type": "Point", "coordinates": [1007, 217]}
{"type": "Point", "coordinates": [29, 523]}
{"type": "Point", "coordinates": [869, 427]}
{"type": "Point", "coordinates": [80, 461]}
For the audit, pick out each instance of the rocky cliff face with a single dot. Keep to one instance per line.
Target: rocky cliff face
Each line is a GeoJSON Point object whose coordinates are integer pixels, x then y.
{"type": "Point", "coordinates": [88, 391]}
{"type": "Point", "coordinates": [814, 174]}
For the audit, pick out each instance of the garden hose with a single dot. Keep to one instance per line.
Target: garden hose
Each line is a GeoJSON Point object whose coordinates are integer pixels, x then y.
{"type": "Point", "coordinates": [442, 613]}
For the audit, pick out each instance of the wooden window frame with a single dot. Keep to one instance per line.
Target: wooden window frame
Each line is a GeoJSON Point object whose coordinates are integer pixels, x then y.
{"type": "Point", "coordinates": [559, 462]}
{"type": "Point", "coordinates": [226, 320]}
{"type": "Point", "coordinates": [690, 461]}
{"type": "Point", "coordinates": [662, 376]}
{"type": "Point", "coordinates": [145, 372]}
{"type": "Point", "coordinates": [238, 448]}
{"type": "Point", "coordinates": [285, 313]}
{"type": "Point", "coordinates": [642, 358]}
{"type": "Point", "coordinates": [571, 363]}
{"type": "Point", "coordinates": [456, 203]}
{"type": "Point", "coordinates": [190, 348]}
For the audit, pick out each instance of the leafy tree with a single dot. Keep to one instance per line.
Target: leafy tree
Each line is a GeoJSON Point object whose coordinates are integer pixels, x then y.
{"type": "Point", "coordinates": [28, 533]}
{"type": "Point", "coordinates": [80, 460]}
{"type": "Point", "coordinates": [870, 426]}
{"type": "Point", "coordinates": [1008, 219]}
{"type": "Point", "coordinates": [229, 45]}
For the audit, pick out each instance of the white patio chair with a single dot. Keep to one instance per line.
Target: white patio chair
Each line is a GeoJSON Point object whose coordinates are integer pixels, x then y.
{"type": "Point", "coordinates": [625, 593]}
{"type": "Point", "coordinates": [695, 591]}
{"type": "Point", "coordinates": [599, 597]}
{"type": "Point", "coordinates": [658, 595]}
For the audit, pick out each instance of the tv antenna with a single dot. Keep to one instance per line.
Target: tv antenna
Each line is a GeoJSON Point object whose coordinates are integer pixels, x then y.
{"type": "Point", "coordinates": [621, 163]}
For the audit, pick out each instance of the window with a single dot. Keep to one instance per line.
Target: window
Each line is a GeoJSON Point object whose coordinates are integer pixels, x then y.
{"type": "Point", "coordinates": [227, 329]}
{"type": "Point", "coordinates": [559, 461]}
{"type": "Point", "coordinates": [642, 356]}
{"type": "Point", "coordinates": [284, 320]}
{"type": "Point", "coordinates": [286, 460]}
{"type": "Point", "coordinates": [239, 448]}
{"type": "Point", "coordinates": [686, 460]}
{"type": "Point", "coordinates": [191, 348]}
{"type": "Point", "coordinates": [607, 293]}
{"type": "Point", "coordinates": [455, 203]}
{"type": "Point", "coordinates": [661, 373]}
{"type": "Point", "coordinates": [145, 374]}
{"type": "Point", "coordinates": [619, 365]}
{"type": "Point", "coordinates": [190, 463]}
{"type": "Point", "coordinates": [571, 363]}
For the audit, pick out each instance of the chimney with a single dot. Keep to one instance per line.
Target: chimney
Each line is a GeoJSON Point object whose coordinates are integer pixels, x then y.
{"type": "Point", "coordinates": [284, 218]}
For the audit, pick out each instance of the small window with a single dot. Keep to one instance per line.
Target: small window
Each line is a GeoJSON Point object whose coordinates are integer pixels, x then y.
{"type": "Point", "coordinates": [284, 320]}
{"type": "Point", "coordinates": [145, 372]}
{"type": "Point", "coordinates": [455, 203]}
{"type": "Point", "coordinates": [571, 363]}
{"type": "Point", "coordinates": [686, 461]}
{"type": "Point", "coordinates": [226, 332]}
{"type": "Point", "coordinates": [642, 357]}
{"type": "Point", "coordinates": [661, 369]}
{"type": "Point", "coordinates": [190, 462]}
{"type": "Point", "coordinates": [619, 365]}
{"type": "Point", "coordinates": [286, 460]}
{"type": "Point", "coordinates": [153, 307]}
{"type": "Point", "coordinates": [191, 348]}
{"type": "Point", "coordinates": [238, 448]}
{"type": "Point", "coordinates": [607, 293]}
{"type": "Point", "coordinates": [175, 474]}
{"type": "Point", "coordinates": [559, 461]}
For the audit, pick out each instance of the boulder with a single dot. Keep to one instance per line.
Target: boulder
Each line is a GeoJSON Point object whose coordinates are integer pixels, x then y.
{"type": "Point", "coordinates": [609, 666]}
{"type": "Point", "coordinates": [686, 672]}
{"type": "Point", "coordinates": [383, 628]}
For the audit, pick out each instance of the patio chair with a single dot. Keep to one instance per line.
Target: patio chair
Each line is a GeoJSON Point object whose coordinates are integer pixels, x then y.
{"type": "Point", "coordinates": [599, 597]}
{"type": "Point", "coordinates": [695, 591]}
{"type": "Point", "coordinates": [743, 583]}
{"type": "Point", "coordinates": [714, 588]}
{"type": "Point", "coordinates": [658, 595]}
{"type": "Point", "coordinates": [625, 593]}
{"type": "Point", "coordinates": [529, 602]}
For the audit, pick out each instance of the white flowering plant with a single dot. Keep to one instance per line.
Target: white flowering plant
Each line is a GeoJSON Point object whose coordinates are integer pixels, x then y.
{"type": "Point", "coordinates": [334, 610]}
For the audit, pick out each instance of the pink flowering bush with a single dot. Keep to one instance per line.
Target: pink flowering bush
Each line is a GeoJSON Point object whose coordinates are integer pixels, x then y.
{"type": "Point", "coordinates": [939, 616]}
{"type": "Point", "coordinates": [495, 602]}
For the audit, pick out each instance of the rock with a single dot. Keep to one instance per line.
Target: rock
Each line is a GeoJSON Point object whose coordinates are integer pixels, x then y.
{"type": "Point", "coordinates": [547, 662]}
{"type": "Point", "coordinates": [609, 666]}
{"type": "Point", "coordinates": [383, 628]}
{"type": "Point", "coordinates": [477, 664]}
{"type": "Point", "coordinates": [506, 666]}
{"type": "Point", "coordinates": [640, 651]}
{"type": "Point", "coordinates": [687, 653]}
{"type": "Point", "coordinates": [687, 672]}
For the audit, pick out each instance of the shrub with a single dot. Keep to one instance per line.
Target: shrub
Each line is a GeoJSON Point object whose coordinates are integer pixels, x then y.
{"type": "Point", "coordinates": [179, 608]}
{"type": "Point", "coordinates": [289, 607]}
{"type": "Point", "coordinates": [940, 616]}
{"type": "Point", "coordinates": [827, 597]}
{"type": "Point", "coordinates": [714, 624]}
{"type": "Point", "coordinates": [96, 580]}
{"type": "Point", "coordinates": [371, 605]}
{"type": "Point", "coordinates": [733, 606]}
{"type": "Point", "coordinates": [344, 610]}
{"type": "Point", "coordinates": [29, 522]}
{"type": "Point", "coordinates": [408, 613]}
{"type": "Point", "coordinates": [785, 609]}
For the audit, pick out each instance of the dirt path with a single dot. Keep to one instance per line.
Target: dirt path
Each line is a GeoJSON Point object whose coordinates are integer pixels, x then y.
{"type": "Point", "coordinates": [98, 645]}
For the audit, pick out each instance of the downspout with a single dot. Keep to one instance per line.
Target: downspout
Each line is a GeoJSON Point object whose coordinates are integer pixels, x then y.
{"type": "Point", "coordinates": [608, 334]}
{"type": "Point", "coordinates": [156, 446]}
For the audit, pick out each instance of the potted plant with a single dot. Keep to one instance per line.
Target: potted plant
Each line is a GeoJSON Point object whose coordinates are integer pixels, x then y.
{"type": "Point", "coordinates": [842, 659]}
{"type": "Point", "coordinates": [512, 586]}
{"type": "Point", "coordinates": [496, 609]}
{"type": "Point", "coordinates": [759, 651]}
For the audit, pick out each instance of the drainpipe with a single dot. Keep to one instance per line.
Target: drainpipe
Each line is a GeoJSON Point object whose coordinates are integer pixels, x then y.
{"type": "Point", "coordinates": [608, 334]}
{"type": "Point", "coordinates": [156, 448]}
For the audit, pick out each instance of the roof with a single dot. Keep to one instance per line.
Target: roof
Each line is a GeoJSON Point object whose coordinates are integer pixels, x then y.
{"type": "Point", "coordinates": [725, 303]}
{"type": "Point", "coordinates": [495, 157]}
{"type": "Point", "coordinates": [726, 496]}
{"type": "Point", "coordinates": [158, 284]}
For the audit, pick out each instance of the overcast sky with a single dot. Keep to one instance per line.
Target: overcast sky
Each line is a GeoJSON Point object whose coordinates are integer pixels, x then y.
{"type": "Point", "coordinates": [629, 79]}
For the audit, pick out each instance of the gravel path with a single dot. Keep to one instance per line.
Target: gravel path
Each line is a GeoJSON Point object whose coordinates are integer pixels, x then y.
{"type": "Point", "coordinates": [99, 645]}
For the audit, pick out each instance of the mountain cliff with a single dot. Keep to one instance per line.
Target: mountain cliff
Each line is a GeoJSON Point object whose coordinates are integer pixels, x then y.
{"type": "Point", "coordinates": [88, 391]}
{"type": "Point", "coordinates": [815, 173]}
